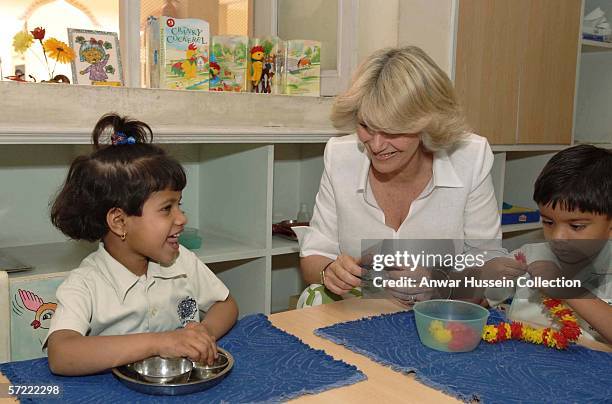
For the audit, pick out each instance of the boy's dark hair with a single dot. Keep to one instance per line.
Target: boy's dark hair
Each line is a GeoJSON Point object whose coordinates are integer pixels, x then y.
{"type": "Point", "coordinates": [113, 176]}
{"type": "Point", "coordinates": [577, 178]}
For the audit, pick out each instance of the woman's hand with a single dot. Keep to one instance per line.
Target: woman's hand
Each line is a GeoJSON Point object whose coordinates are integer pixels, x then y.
{"type": "Point", "coordinates": [416, 285]}
{"type": "Point", "coordinates": [413, 291]}
{"type": "Point", "coordinates": [194, 341]}
{"type": "Point", "coordinates": [343, 274]}
{"type": "Point", "coordinates": [502, 267]}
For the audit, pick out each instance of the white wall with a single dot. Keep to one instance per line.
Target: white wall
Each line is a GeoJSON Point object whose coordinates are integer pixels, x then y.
{"type": "Point", "coordinates": [378, 26]}
{"type": "Point", "coordinates": [47, 16]}
{"type": "Point", "coordinates": [593, 118]}
{"type": "Point", "coordinates": [429, 24]}
{"type": "Point", "coordinates": [313, 19]}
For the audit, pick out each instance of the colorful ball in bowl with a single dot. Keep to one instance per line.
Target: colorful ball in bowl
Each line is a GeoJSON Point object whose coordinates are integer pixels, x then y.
{"type": "Point", "coordinates": [450, 325]}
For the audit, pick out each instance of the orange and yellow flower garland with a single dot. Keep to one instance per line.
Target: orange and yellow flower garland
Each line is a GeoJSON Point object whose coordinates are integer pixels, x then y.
{"type": "Point", "coordinates": [560, 339]}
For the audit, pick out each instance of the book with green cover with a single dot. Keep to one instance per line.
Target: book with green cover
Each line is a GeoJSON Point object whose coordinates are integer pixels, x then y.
{"type": "Point", "coordinates": [266, 59]}
{"type": "Point", "coordinates": [228, 63]}
{"type": "Point", "coordinates": [303, 68]}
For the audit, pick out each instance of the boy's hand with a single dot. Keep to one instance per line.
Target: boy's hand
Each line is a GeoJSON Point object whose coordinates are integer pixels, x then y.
{"type": "Point", "coordinates": [193, 342]}
{"type": "Point", "coordinates": [548, 271]}
{"type": "Point", "coordinates": [501, 267]}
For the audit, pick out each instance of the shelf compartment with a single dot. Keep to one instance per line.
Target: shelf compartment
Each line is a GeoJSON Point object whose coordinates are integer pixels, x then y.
{"type": "Point", "coordinates": [245, 280]}
{"type": "Point", "coordinates": [217, 248]}
{"type": "Point", "coordinates": [286, 281]}
{"type": "Point", "coordinates": [297, 173]}
{"type": "Point", "coordinates": [589, 45]}
{"type": "Point", "coordinates": [284, 246]}
{"type": "Point", "coordinates": [49, 258]}
{"type": "Point", "coordinates": [521, 171]}
{"type": "Point", "coordinates": [232, 186]}
{"type": "Point", "coordinates": [511, 228]}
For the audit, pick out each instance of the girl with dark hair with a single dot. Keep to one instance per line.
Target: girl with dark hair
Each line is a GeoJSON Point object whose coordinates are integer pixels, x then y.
{"type": "Point", "coordinates": [140, 294]}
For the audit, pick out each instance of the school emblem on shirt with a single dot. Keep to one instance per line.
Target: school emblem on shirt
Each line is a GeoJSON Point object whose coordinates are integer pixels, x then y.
{"type": "Point", "coordinates": [187, 310]}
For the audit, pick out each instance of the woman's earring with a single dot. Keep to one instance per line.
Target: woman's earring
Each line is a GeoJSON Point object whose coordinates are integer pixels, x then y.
{"type": "Point", "coordinates": [123, 236]}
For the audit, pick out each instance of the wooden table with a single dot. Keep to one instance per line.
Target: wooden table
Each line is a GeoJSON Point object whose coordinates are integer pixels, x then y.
{"type": "Point", "coordinates": [383, 384]}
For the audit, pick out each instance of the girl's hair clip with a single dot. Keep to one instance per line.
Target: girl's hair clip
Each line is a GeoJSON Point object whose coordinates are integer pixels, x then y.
{"type": "Point", "coordinates": [119, 138]}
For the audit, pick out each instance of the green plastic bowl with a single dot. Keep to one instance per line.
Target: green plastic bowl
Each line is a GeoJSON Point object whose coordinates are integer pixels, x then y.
{"type": "Point", "coordinates": [450, 325]}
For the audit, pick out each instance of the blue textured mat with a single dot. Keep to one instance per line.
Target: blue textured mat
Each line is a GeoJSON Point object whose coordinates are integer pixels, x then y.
{"type": "Point", "coordinates": [270, 366]}
{"type": "Point", "coordinates": [512, 371]}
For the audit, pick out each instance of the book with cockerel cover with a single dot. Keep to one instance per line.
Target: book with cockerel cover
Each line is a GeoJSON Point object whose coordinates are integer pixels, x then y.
{"type": "Point", "coordinates": [177, 53]}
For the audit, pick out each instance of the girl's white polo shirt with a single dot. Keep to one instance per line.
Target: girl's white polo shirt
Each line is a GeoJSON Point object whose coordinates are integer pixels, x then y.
{"type": "Point", "coordinates": [102, 297]}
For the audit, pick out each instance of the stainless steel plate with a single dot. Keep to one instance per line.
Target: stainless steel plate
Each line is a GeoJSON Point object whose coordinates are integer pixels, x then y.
{"type": "Point", "coordinates": [128, 376]}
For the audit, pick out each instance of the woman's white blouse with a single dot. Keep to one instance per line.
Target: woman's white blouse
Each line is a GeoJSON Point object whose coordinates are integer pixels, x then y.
{"type": "Point", "coordinates": [457, 203]}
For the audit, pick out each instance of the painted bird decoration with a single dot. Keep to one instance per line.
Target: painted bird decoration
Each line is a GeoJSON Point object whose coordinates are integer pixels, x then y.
{"type": "Point", "coordinates": [42, 311]}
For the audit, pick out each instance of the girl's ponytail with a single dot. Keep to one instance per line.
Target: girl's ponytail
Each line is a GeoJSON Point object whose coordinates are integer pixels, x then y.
{"type": "Point", "coordinates": [112, 125]}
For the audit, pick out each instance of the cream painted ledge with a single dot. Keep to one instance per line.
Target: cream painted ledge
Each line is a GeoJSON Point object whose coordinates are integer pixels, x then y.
{"type": "Point", "coordinates": [38, 113]}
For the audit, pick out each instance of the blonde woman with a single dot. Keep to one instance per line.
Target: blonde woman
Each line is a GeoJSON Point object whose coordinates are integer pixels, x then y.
{"type": "Point", "coordinates": [412, 170]}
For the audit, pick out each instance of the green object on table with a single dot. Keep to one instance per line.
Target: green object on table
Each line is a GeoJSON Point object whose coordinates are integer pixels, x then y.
{"type": "Point", "coordinates": [190, 238]}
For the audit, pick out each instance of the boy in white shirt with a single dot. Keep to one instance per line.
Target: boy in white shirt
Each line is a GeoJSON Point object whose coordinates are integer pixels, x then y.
{"type": "Point", "coordinates": [574, 194]}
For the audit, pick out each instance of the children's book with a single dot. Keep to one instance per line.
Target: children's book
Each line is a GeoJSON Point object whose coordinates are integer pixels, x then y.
{"type": "Point", "coordinates": [303, 68]}
{"type": "Point", "coordinates": [177, 53]}
{"type": "Point", "coordinates": [266, 59]}
{"type": "Point", "coordinates": [228, 63]}
{"type": "Point", "coordinates": [98, 61]}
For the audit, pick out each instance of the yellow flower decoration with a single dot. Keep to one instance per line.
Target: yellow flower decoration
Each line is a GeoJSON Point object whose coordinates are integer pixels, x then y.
{"type": "Point", "coordinates": [58, 50]}
{"type": "Point", "coordinates": [508, 329]}
{"type": "Point", "coordinates": [533, 335]}
{"type": "Point", "coordinates": [489, 333]}
{"type": "Point", "coordinates": [22, 41]}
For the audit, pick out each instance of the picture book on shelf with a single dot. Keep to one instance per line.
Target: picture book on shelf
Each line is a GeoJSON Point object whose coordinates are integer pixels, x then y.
{"type": "Point", "coordinates": [228, 63]}
{"type": "Point", "coordinates": [177, 53]}
{"type": "Point", "coordinates": [303, 68]}
{"type": "Point", "coordinates": [266, 59]}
